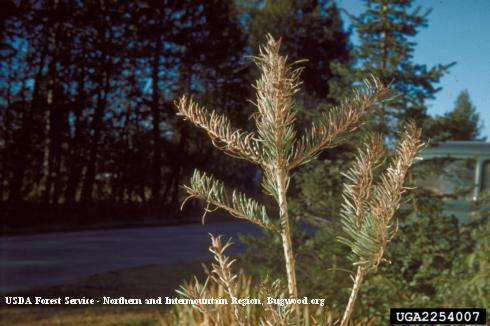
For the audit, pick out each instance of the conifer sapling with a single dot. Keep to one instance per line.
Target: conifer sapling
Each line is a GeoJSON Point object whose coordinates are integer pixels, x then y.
{"type": "Point", "coordinates": [277, 148]}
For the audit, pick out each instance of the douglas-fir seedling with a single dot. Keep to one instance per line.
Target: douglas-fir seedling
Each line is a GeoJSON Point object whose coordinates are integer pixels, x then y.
{"type": "Point", "coordinates": [278, 148]}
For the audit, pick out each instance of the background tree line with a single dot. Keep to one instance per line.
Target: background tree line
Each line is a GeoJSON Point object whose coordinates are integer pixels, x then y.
{"type": "Point", "coordinates": [86, 103]}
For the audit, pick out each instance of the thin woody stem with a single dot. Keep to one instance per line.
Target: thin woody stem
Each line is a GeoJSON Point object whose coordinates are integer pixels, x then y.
{"type": "Point", "coordinates": [275, 90]}
{"type": "Point", "coordinates": [353, 296]}
{"type": "Point", "coordinates": [286, 238]}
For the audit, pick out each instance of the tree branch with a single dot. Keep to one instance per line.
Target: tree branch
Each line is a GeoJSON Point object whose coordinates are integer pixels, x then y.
{"type": "Point", "coordinates": [232, 141]}
{"type": "Point", "coordinates": [329, 130]}
{"type": "Point", "coordinates": [240, 206]}
{"type": "Point", "coordinates": [366, 215]}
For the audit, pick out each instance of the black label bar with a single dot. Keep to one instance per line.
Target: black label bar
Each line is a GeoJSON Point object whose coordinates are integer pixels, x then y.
{"type": "Point", "coordinates": [430, 316]}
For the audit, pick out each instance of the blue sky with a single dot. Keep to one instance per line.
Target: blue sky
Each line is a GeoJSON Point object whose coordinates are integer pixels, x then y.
{"type": "Point", "coordinates": [457, 31]}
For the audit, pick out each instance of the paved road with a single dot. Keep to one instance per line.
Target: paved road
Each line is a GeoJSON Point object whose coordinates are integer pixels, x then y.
{"type": "Point", "coordinates": [49, 259]}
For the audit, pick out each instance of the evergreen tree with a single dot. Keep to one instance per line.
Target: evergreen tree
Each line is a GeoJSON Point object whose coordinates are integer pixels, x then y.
{"type": "Point", "coordinates": [462, 123]}
{"type": "Point", "coordinates": [386, 30]}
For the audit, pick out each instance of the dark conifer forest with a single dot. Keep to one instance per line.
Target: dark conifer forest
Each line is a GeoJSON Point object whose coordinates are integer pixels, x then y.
{"type": "Point", "coordinates": [88, 126]}
{"type": "Point", "coordinates": [87, 116]}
